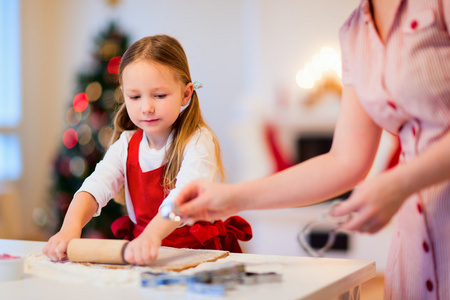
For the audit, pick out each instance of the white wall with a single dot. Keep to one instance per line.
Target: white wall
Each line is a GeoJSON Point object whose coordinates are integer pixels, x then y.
{"type": "Point", "coordinates": [280, 37]}
{"type": "Point", "coordinates": [292, 32]}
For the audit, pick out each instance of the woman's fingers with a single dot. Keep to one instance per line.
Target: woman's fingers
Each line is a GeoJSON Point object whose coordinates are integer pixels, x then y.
{"type": "Point", "coordinates": [346, 207]}
{"type": "Point", "coordinates": [367, 220]}
{"type": "Point", "coordinates": [188, 193]}
{"type": "Point", "coordinates": [192, 203]}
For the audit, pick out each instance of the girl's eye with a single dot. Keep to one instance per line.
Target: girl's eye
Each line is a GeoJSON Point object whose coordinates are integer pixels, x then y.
{"type": "Point", "coordinates": [134, 97]}
{"type": "Point", "coordinates": [160, 96]}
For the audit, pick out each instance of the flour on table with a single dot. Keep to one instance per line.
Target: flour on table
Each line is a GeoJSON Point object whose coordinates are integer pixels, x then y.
{"type": "Point", "coordinates": [170, 260]}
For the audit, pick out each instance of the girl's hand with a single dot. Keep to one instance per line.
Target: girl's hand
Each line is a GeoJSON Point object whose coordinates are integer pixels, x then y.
{"type": "Point", "coordinates": [205, 201]}
{"type": "Point", "coordinates": [81, 210]}
{"type": "Point", "coordinates": [142, 250]}
{"type": "Point", "coordinates": [56, 247]}
{"type": "Point", "coordinates": [374, 202]}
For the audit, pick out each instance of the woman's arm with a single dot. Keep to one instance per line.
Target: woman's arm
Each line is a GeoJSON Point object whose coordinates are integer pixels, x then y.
{"type": "Point", "coordinates": [379, 198]}
{"type": "Point", "coordinates": [355, 142]}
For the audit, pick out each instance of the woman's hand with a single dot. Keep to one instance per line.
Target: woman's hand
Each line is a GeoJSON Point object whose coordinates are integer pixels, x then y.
{"type": "Point", "coordinates": [374, 203]}
{"type": "Point", "coordinates": [142, 250]}
{"type": "Point", "coordinates": [56, 247]}
{"type": "Point", "coordinates": [206, 201]}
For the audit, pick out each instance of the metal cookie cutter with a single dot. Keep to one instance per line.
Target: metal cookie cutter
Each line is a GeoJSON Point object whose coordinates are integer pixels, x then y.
{"type": "Point", "coordinates": [168, 211]}
{"type": "Point", "coordinates": [155, 280]}
{"type": "Point", "coordinates": [229, 274]}
{"type": "Point", "coordinates": [150, 279]}
{"type": "Point", "coordinates": [213, 282]}
{"type": "Point", "coordinates": [256, 278]}
{"type": "Point", "coordinates": [323, 220]}
{"type": "Point", "coordinates": [206, 288]}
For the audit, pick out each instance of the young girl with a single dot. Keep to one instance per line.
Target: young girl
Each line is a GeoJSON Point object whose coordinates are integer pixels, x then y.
{"type": "Point", "coordinates": [157, 150]}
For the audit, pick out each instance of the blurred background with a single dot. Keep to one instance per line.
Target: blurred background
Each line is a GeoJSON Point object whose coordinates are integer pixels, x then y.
{"type": "Point", "coordinates": [271, 76]}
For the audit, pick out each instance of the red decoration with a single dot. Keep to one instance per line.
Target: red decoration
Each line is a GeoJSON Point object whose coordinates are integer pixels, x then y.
{"type": "Point", "coordinates": [80, 102]}
{"type": "Point", "coordinates": [281, 161]}
{"type": "Point", "coordinates": [99, 119]}
{"type": "Point", "coordinates": [395, 158]}
{"type": "Point", "coordinates": [392, 104]}
{"type": "Point", "coordinates": [70, 138]}
{"type": "Point", "coordinates": [113, 65]}
{"type": "Point", "coordinates": [64, 166]}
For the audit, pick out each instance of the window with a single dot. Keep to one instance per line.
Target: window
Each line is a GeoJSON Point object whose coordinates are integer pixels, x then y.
{"type": "Point", "coordinates": [10, 87]}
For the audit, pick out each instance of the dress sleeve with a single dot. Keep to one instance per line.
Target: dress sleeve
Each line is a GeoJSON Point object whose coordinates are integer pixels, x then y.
{"type": "Point", "coordinates": [345, 53]}
{"type": "Point", "coordinates": [108, 177]}
{"type": "Point", "coordinates": [446, 12]}
{"type": "Point", "coordinates": [199, 163]}
{"type": "Point", "coordinates": [347, 38]}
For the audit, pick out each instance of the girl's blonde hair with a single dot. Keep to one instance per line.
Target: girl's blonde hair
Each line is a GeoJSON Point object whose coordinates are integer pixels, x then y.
{"type": "Point", "coordinates": [168, 52]}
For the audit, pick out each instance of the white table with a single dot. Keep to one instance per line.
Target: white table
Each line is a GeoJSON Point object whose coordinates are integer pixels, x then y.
{"type": "Point", "coordinates": [304, 278]}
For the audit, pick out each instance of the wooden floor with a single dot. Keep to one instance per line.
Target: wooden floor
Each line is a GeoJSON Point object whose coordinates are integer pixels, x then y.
{"type": "Point", "coordinates": [373, 289]}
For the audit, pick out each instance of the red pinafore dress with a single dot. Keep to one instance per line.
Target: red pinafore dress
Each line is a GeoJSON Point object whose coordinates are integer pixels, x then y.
{"type": "Point", "coordinates": [147, 194]}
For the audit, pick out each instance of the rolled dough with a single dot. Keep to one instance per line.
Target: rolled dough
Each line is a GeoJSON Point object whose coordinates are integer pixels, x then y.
{"type": "Point", "coordinates": [169, 260]}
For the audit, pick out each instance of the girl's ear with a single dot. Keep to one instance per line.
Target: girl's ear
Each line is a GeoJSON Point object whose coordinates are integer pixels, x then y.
{"type": "Point", "coordinates": [188, 90]}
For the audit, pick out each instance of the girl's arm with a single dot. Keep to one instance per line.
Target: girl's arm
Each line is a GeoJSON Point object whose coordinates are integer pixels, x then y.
{"type": "Point", "coordinates": [81, 210]}
{"type": "Point", "coordinates": [95, 192]}
{"type": "Point", "coordinates": [108, 178]}
{"type": "Point", "coordinates": [144, 248]}
{"type": "Point", "coordinates": [355, 143]}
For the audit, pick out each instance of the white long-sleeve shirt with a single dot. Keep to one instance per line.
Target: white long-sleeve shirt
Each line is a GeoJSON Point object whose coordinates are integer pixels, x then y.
{"type": "Point", "coordinates": [199, 163]}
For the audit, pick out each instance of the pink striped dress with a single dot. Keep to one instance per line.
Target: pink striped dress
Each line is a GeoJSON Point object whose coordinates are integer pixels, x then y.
{"type": "Point", "coordinates": [404, 85]}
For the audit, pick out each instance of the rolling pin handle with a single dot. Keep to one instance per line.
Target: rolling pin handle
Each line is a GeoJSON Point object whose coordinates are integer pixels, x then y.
{"type": "Point", "coordinates": [122, 254]}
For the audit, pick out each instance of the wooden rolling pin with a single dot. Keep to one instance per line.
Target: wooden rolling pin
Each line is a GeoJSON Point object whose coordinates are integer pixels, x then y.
{"type": "Point", "coordinates": [102, 251]}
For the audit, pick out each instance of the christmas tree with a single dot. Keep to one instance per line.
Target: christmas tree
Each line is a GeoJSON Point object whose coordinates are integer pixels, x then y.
{"type": "Point", "coordinates": [90, 118]}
